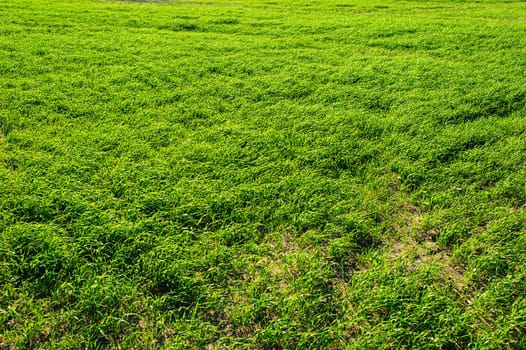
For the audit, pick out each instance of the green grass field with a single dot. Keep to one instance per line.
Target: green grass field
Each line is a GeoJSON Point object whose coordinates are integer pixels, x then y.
{"type": "Point", "coordinates": [327, 174]}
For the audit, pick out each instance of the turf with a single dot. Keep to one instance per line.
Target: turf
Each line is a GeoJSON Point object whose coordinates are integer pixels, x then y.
{"type": "Point", "coordinates": [340, 174]}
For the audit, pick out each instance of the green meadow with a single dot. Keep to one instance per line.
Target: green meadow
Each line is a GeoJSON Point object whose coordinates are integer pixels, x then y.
{"type": "Point", "coordinates": [251, 174]}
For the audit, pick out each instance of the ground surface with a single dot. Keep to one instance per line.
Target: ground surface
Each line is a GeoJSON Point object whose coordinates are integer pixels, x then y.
{"type": "Point", "coordinates": [286, 174]}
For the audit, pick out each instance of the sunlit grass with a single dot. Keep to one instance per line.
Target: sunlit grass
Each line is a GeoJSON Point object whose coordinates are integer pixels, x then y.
{"type": "Point", "coordinates": [288, 174]}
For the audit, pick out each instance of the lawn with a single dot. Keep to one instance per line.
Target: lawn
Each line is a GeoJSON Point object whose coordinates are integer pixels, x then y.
{"type": "Point", "coordinates": [250, 174]}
